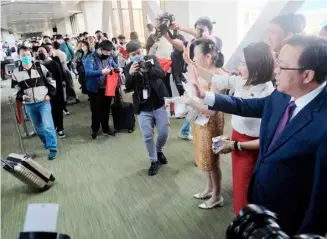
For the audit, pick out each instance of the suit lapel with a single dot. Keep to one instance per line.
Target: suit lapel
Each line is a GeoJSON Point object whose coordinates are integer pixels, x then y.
{"type": "Point", "coordinates": [274, 120]}
{"type": "Point", "coordinates": [303, 118]}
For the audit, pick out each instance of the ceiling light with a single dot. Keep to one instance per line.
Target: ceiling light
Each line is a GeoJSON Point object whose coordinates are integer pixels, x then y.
{"type": "Point", "coordinates": [12, 0]}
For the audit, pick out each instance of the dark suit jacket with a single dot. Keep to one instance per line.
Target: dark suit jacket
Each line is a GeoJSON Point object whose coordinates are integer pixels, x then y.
{"type": "Point", "coordinates": [154, 77]}
{"type": "Point", "coordinates": [290, 179]}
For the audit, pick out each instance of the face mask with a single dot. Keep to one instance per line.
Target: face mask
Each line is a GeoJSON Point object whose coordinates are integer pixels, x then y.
{"type": "Point", "coordinates": [42, 56]}
{"type": "Point", "coordinates": [137, 58]}
{"type": "Point", "coordinates": [84, 48]}
{"type": "Point", "coordinates": [121, 43]}
{"type": "Point", "coordinates": [104, 57]}
{"type": "Point", "coordinates": [60, 41]}
{"type": "Point", "coordinates": [26, 60]}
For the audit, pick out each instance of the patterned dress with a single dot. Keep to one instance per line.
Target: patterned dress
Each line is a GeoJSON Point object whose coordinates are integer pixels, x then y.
{"type": "Point", "coordinates": [205, 159]}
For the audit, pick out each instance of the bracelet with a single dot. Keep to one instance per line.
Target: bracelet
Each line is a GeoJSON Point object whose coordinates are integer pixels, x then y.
{"type": "Point", "coordinates": [235, 145]}
{"type": "Point", "coordinates": [239, 148]}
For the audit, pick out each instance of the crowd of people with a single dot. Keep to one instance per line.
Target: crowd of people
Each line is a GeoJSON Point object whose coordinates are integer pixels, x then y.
{"type": "Point", "coordinates": [277, 99]}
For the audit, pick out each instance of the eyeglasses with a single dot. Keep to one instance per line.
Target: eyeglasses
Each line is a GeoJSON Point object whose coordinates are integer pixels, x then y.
{"type": "Point", "coordinates": [280, 68]}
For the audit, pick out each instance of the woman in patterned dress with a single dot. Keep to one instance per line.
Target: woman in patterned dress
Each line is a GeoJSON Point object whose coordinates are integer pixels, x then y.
{"type": "Point", "coordinates": [207, 125]}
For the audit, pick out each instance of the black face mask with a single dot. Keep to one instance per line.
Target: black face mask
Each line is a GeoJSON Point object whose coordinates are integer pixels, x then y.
{"type": "Point", "coordinates": [104, 57]}
{"type": "Point", "coordinates": [42, 56]}
{"type": "Point", "coordinates": [121, 43]}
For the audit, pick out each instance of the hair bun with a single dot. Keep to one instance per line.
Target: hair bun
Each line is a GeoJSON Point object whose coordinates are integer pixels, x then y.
{"type": "Point", "coordinates": [219, 61]}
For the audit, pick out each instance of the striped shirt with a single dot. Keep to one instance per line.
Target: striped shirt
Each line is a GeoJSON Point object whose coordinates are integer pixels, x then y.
{"type": "Point", "coordinates": [31, 86]}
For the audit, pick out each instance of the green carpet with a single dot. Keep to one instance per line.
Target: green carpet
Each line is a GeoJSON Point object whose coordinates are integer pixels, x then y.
{"type": "Point", "coordinates": [103, 188]}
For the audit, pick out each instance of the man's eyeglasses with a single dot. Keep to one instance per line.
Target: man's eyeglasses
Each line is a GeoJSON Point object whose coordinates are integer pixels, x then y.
{"type": "Point", "coordinates": [278, 66]}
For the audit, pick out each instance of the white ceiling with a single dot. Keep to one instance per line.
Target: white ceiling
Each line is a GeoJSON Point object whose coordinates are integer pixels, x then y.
{"type": "Point", "coordinates": [34, 16]}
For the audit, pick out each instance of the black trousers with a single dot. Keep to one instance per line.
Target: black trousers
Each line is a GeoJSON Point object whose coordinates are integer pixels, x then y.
{"type": "Point", "coordinates": [100, 108]}
{"type": "Point", "coordinates": [57, 116]}
{"type": "Point", "coordinates": [166, 81]}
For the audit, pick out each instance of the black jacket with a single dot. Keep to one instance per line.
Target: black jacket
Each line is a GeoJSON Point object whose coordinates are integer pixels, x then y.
{"type": "Point", "coordinates": [154, 77]}
{"type": "Point", "coordinates": [57, 75]}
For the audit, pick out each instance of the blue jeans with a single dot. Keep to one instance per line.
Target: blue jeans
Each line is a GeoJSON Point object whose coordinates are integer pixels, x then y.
{"type": "Point", "coordinates": [41, 117]}
{"type": "Point", "coordinates": [186, 128]}
{"type": "Point", "coordinates": [147, 121]}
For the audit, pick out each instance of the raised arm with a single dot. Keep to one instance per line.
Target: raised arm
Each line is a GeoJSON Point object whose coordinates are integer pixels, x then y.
{"type": "Point", "coordinates": [237, 106]}
{"type": "Point", "coordinates": [232, 105]}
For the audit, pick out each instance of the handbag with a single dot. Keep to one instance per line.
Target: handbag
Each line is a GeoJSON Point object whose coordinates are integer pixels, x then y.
{"type": "Point", "coordinates": [111, 83]}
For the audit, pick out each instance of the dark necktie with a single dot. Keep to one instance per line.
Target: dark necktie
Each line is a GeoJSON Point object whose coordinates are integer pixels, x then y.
{"type": "Point", "coordinates": [283, 122]}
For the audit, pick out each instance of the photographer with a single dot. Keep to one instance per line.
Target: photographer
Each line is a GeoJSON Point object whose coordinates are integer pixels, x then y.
{"type": "Point", "coordinates": [144, 76]}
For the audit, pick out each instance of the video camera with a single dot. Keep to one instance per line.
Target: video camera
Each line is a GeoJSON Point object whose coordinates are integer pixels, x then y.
{"type": "Point", "coordinates": [254, 222]}
{"type": "Point", "coordinates": [162, 25]}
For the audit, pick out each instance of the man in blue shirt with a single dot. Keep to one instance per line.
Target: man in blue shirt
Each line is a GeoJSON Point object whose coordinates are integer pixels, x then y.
{"type": "Point", "coordinates": [98, 65]}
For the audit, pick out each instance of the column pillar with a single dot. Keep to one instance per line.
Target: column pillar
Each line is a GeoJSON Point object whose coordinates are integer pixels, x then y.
{"type": "Point", "coordinates": [107, 16]}
{"type": "Point", "coordinates": [92, 12]}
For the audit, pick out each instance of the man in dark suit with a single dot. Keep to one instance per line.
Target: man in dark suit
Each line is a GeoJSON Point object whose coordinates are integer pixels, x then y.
{"type": "Point", "coordinates": [290, 177]}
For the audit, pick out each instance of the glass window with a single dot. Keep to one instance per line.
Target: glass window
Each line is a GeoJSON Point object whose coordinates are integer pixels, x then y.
{"type": "Point", "coordinates": [126, 23]}
{"type": "Point", "coordinates": [114, 4]}
{"type": "Point", "coordinates": [124, 3]}
{"type": "Point", "coordinates": [137, 4]}
{"type": "Point", "coordinates": [138, 24]}
{"type": "Point", "coordinates": [116, 25]}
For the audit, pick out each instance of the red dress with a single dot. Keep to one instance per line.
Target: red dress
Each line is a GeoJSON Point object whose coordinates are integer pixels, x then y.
{"type": "Point", "coordinates": [243, 163]}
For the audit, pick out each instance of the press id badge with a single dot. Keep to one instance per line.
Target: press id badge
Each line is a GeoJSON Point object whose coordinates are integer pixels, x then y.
{"type": "Point", "coordinates": [145, 94]}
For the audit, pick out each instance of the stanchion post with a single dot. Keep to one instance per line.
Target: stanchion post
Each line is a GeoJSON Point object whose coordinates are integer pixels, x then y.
{"type": "Point", "coordinates": [12, 109]}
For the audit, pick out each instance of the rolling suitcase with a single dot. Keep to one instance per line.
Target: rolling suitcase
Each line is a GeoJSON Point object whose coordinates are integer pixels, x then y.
{"type": "Point", "coordinates": [28, 171]}
{"type": "Point", "coordinates": [123, 116]}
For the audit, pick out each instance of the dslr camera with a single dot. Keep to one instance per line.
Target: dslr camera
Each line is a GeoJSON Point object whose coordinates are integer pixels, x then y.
{"type": "Point", "coordinates": [257, 222]}
{"type": "Point", "coordinates": [146, 65]}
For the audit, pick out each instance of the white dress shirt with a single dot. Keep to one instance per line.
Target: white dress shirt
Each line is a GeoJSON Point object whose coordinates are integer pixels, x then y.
{"type": "Point", "coordinates": [306, 99]}
{"type": "Point", "coordinates": [243, 125]}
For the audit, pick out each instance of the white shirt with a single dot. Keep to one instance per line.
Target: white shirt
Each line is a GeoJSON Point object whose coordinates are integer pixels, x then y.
{"type": "Point", "coordinates": [306, 99]}
{"type": "Point", "coordinates": [243, 125]}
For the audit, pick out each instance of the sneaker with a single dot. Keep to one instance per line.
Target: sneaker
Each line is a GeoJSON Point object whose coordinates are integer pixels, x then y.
{"type": "Point", "coordinates": [162, 158]}
{"type": "Point", "coordinates": [52, 155]}
{"type": "Point", "coordinates": [154, 168]}
{"type": "Point", "coordinates": [109, 133]}
{"type": "Point", "coordinates": [94, 135]}
{"type": "Point", "coordinates": [188, 137]}
{"type": "Point", "coordinates": [66, 112]}
{"type": "Point", "coordinates": [61, 134]}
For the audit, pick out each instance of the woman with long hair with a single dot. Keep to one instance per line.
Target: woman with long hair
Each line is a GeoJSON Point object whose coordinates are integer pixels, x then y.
{"type": "Point", "coordinates": [81, 55]}
{"type": "Point", "coordinates": [207, 55]}
{"type": "Point", "coordinates": [255, 81]}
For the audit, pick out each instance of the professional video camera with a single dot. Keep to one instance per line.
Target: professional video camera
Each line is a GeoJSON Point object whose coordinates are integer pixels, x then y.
{"type": "Point", "coordinates": [162, 24]}
{"type": "Point", "coordinates": [256, 222]}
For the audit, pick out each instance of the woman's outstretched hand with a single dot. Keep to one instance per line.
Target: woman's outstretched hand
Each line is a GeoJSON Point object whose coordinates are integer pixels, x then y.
{"type": "Point", "coordinates": [187, 100]}
{"type": "Point", "coordinates": [186, 53]}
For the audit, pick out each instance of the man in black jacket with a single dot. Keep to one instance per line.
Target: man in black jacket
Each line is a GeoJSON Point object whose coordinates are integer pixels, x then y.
{"type": "Point", "coordinates": [57, 101]}
{"type": "Point", "coordinates": [149, 103]}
